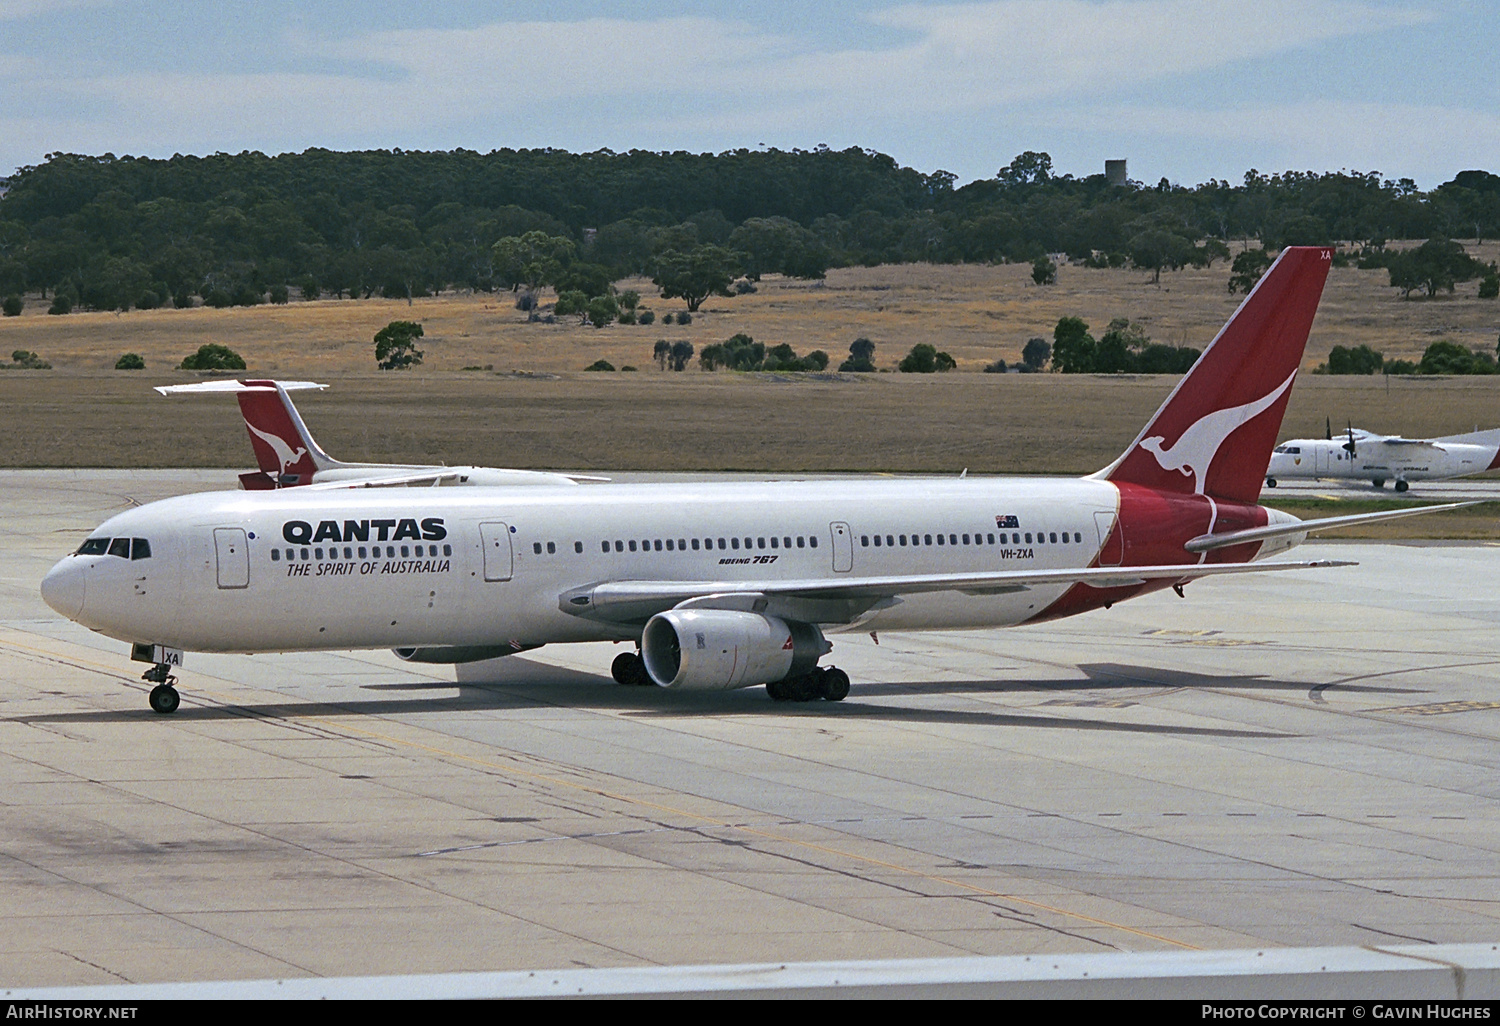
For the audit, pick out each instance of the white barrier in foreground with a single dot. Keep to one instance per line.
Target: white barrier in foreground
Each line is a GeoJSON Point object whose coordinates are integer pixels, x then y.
{"type": "Point", "coordinates": [1413, 972]}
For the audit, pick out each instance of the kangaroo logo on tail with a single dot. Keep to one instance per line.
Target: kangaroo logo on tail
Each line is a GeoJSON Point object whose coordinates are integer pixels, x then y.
{"type": "Point", "coordinates": [284, 453]}
{"type": "Point", "coordinates": [1194, 451]}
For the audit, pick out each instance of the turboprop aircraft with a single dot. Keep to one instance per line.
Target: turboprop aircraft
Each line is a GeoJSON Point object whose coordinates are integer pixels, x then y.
{"type": "Point", "coordinates": [1362, 455]}
{"type": "Point", "coordinates": [288, 457]}
{"type": "Point", "coordinates": [720, 585]}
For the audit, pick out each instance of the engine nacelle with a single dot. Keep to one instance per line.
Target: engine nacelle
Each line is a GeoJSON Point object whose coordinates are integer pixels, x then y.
{"type": "Point", "coordinates": [719, 649]}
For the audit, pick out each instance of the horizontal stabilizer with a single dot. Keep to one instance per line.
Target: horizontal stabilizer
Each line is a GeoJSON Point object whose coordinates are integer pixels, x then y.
{"type": "Point", "coordinates": [1209, 542]}
{"type": "Point", "coordinates": [236, 386]}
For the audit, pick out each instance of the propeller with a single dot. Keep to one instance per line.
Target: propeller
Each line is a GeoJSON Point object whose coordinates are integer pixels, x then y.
{"type": "Point", "coordinates": [1328, 423]}
{"type": "Point", "coordinates": [1349, 445]}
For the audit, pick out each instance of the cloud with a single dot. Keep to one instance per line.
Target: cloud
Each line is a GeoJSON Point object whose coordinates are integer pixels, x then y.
{"type": "Point", "coordinates": [15, 10]}
{"type": "Point", "coordinates": [959, 70]}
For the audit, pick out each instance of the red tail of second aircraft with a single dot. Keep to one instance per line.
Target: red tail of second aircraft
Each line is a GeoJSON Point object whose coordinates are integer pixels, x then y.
{"type": "Point", "coordinates": [1214, 434]}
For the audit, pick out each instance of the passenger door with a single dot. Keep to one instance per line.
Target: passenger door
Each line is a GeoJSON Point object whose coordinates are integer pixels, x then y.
{"type": "Point", "coordinates": [233, 557]}
{"type": "Point", "coordinates": [494, 537]}
{"type": "Point", "coordinates": [843, 547]}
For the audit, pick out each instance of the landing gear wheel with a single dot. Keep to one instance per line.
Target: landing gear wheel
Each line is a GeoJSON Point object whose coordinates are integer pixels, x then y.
{"type": "Point", "coordinates": [1401, 486]}
{"type": "Point", "coordinates": [165, 699]}
{"type": "Point", "coordinates": [628, 668]}
{"type": "Point", "coordinates": [777, 690]}
{"type": "Point", "coordinates": [1270, 482]}
{"type": "Point", "coordinates": [1379, 482]}
{"type": "Point", "coordinates": [835, 684]}
{"type": "Point", "coordinates": [804, 688]}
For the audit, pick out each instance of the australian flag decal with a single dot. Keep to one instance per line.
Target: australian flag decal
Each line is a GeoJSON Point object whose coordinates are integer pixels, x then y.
{"type": "Point", "coordinates": [1007, 521]}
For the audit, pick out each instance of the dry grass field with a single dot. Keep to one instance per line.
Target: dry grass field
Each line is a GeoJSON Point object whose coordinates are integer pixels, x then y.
{"type": "Point", "coordinates": [538, 409]}
{"type": "Point", "coordinates": [976, 313]}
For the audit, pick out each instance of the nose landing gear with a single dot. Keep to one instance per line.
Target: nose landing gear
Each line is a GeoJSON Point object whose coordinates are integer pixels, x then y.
{"type": "Point", "coordinates": [164, 697]}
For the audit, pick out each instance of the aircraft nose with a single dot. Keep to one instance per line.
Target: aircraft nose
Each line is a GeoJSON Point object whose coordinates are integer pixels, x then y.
{"type": "Point", "coordinates": [62, 588]}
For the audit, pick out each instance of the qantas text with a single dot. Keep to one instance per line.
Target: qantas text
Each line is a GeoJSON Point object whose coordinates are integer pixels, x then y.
{"type": "Point", "coordinates": [300, 532]}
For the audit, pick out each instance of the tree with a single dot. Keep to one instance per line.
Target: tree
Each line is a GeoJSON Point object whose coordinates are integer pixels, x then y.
{"type": "Point", "coordinates": [12, 306]}
{"type": "Point", "coordinates": [779, 245]}
{"type": "Point", "coordinates": [600, 365]}
{"type": "Point", "coordinates": [1156, 248]}
{"type": "Point", "coordinates": [130, 361]}
{"type": "Point", "coordinates": [1444, 357]}
{"type": "Point", "coordinates": [1436, 265]}
{"type": "Point", "coordinates": [925, 359]}
{"type": "Point", "coordinates": [602, 310]}
{"type": "Point", "coordinates": [1358, 360]}
{"type": "Point", "coordinates": [695, 275]}
{"type": "Point", "coordinates": [396, 345]}
{"type": "Point", "coordinates": [1043, 271]}
{"type": "Point", "coordinates": [1029, 168]}
{"type": "Point", "coordinates": [1036, 353]}
{"type": "Point", "coordinates": [861, 357]}
{"type": "Point", "coordinates": [213, 356]}
{"type": "Point", "coordinates": [27, 360]}
{"type": "Point", "coordinates": [682, 352]}
{"type": "Point", "coordinates": [662, 352]}
{"type": "Point", "coordinates": [1073, 348]}
{"type": "Point", "coordinates": [1247, 269]}
{"type": "Point", "coordinates": [534, 259]}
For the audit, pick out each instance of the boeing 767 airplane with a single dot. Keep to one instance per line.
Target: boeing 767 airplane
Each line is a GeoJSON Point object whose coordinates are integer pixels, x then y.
{"type": "Point", "coordinates": [720, 585]}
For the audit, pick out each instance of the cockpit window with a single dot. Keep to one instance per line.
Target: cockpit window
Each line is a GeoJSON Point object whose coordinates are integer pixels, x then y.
{"type": "Point", "coordinates": [140, 548]}
{"type": "Point", "coordinates": [1290, 450]}
{"type": "Point", "coordinates": [120, 547]}
{"type": "Point", "coordinates": [93, 547]}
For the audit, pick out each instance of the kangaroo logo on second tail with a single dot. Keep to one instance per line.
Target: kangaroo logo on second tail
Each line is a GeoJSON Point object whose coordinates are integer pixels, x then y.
{"type": "Point", "coordinates": [285, 454]}
{"type": "Point", "coordinates": [1195, 449]}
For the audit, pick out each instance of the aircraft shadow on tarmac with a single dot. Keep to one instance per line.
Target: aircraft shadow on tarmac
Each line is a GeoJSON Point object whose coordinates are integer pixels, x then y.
{"type": "Point", "coordinates": [525, 684]}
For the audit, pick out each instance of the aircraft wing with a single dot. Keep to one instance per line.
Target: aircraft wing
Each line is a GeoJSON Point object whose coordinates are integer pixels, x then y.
{"type": "Point", "coordinates": [845, 599]}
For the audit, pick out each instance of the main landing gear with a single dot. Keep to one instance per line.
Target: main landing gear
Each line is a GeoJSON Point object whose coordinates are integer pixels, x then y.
{"type": "Point", "coordinates": [826, 682]}
{"type": "Point", "coordinates": [630, 669]}
{"type": "Point", "coordinates": [164, 697]}
{"type": "Point", "coordinates": [1401, 485]}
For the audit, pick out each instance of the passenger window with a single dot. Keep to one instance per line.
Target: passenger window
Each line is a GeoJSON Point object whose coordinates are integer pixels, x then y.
{"type": "Point", "coordinates": [578, 547]}
{"type": "Point", "coordinates": [695, 544]}
{"type": "Point", "coordinates": [403, 552]}
{"type": "Point", "coordinates": [632, 545]}
{"type": "Point", "coordinates": [966, 539]}
{"type": "Point", "coordinates": [140, 548]}
{"type": "Point", "coordinates": [1028, 537]}
{"type": "Point", "coordinates": [813, 542]}
{"type": "Point", "coordinates": [747, 543]}
{"type": "Point", "coordinates": [734, 543]}
{"type": "Point", "coordinates": [991, 538]}
{"type": "Point", "coordinates": [94, 547]}
{"type": "Point", "coordinates": [669, 544]}
{"type": "Point", "coordinates": [305, 555]}
{"type": "Point", "coordinates": [864, 541]}
{"type": "Point", "coordinates": [319, 553]}
{"type": "Point", "coordinates": [363, 552]}
{"type": "Point", "coordinates": [773, 542]}
{"type": "Point", "coordinates": [890, 541]}
{"type": "Point", "coordinates": [658, 545]}
{"type": "Point", "coordinates": [927, 539]}
{"type": "Point", "coordinates": [551, 549]}
{"type": "Point", "coordinates": [1053, 537]}
{"type": "Point", "coordinates": [448, 550]}
{"type": "Point", "coordinates": [953, 539]}
{"type": "Point", "coordinates": [786, 543]}
{"type": "Point", "coordinates": [877, 541]}
{"type": "Point", "coordinates": [721, 543]}
{"type": "Point", "coordinates": [902, 539]}
{"type": "Point", "coordinates": [940, 539]}
{"type": "Point", "coordinates": [120, 547]}
{"type": "Point", "coordinates": [681, 545]}
{"type": "Point", "coordinates": [801, 542]}
{"type": "Point", "coordinates": [536, 548]}
{"type": "Point", "coordinates": [276, 555]}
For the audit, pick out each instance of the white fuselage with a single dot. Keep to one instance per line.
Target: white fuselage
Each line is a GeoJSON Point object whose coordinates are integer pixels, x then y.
{"type": "Point", "coordinates": [303, 569]}
{"type": "Point", "coordinates": [1373, 460]}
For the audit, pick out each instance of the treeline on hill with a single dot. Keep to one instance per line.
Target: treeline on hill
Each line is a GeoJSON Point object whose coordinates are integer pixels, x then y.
{"type": "Point", "coordinates": [118, 232]}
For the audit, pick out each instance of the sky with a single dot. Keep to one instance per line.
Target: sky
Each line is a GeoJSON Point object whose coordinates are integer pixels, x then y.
{"type": "Point", "coordinates": [1188, 90]}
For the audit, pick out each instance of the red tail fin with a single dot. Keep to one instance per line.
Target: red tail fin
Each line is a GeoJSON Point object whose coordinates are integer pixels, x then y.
{"type": "Point", "coordinates": [1214, 433]}
{"type": "Point", "coordinates": [283, 449]}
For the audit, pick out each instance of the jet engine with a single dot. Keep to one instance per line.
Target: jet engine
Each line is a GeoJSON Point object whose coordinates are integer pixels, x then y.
{"type": "Point", "coordinates": [719, 649]}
